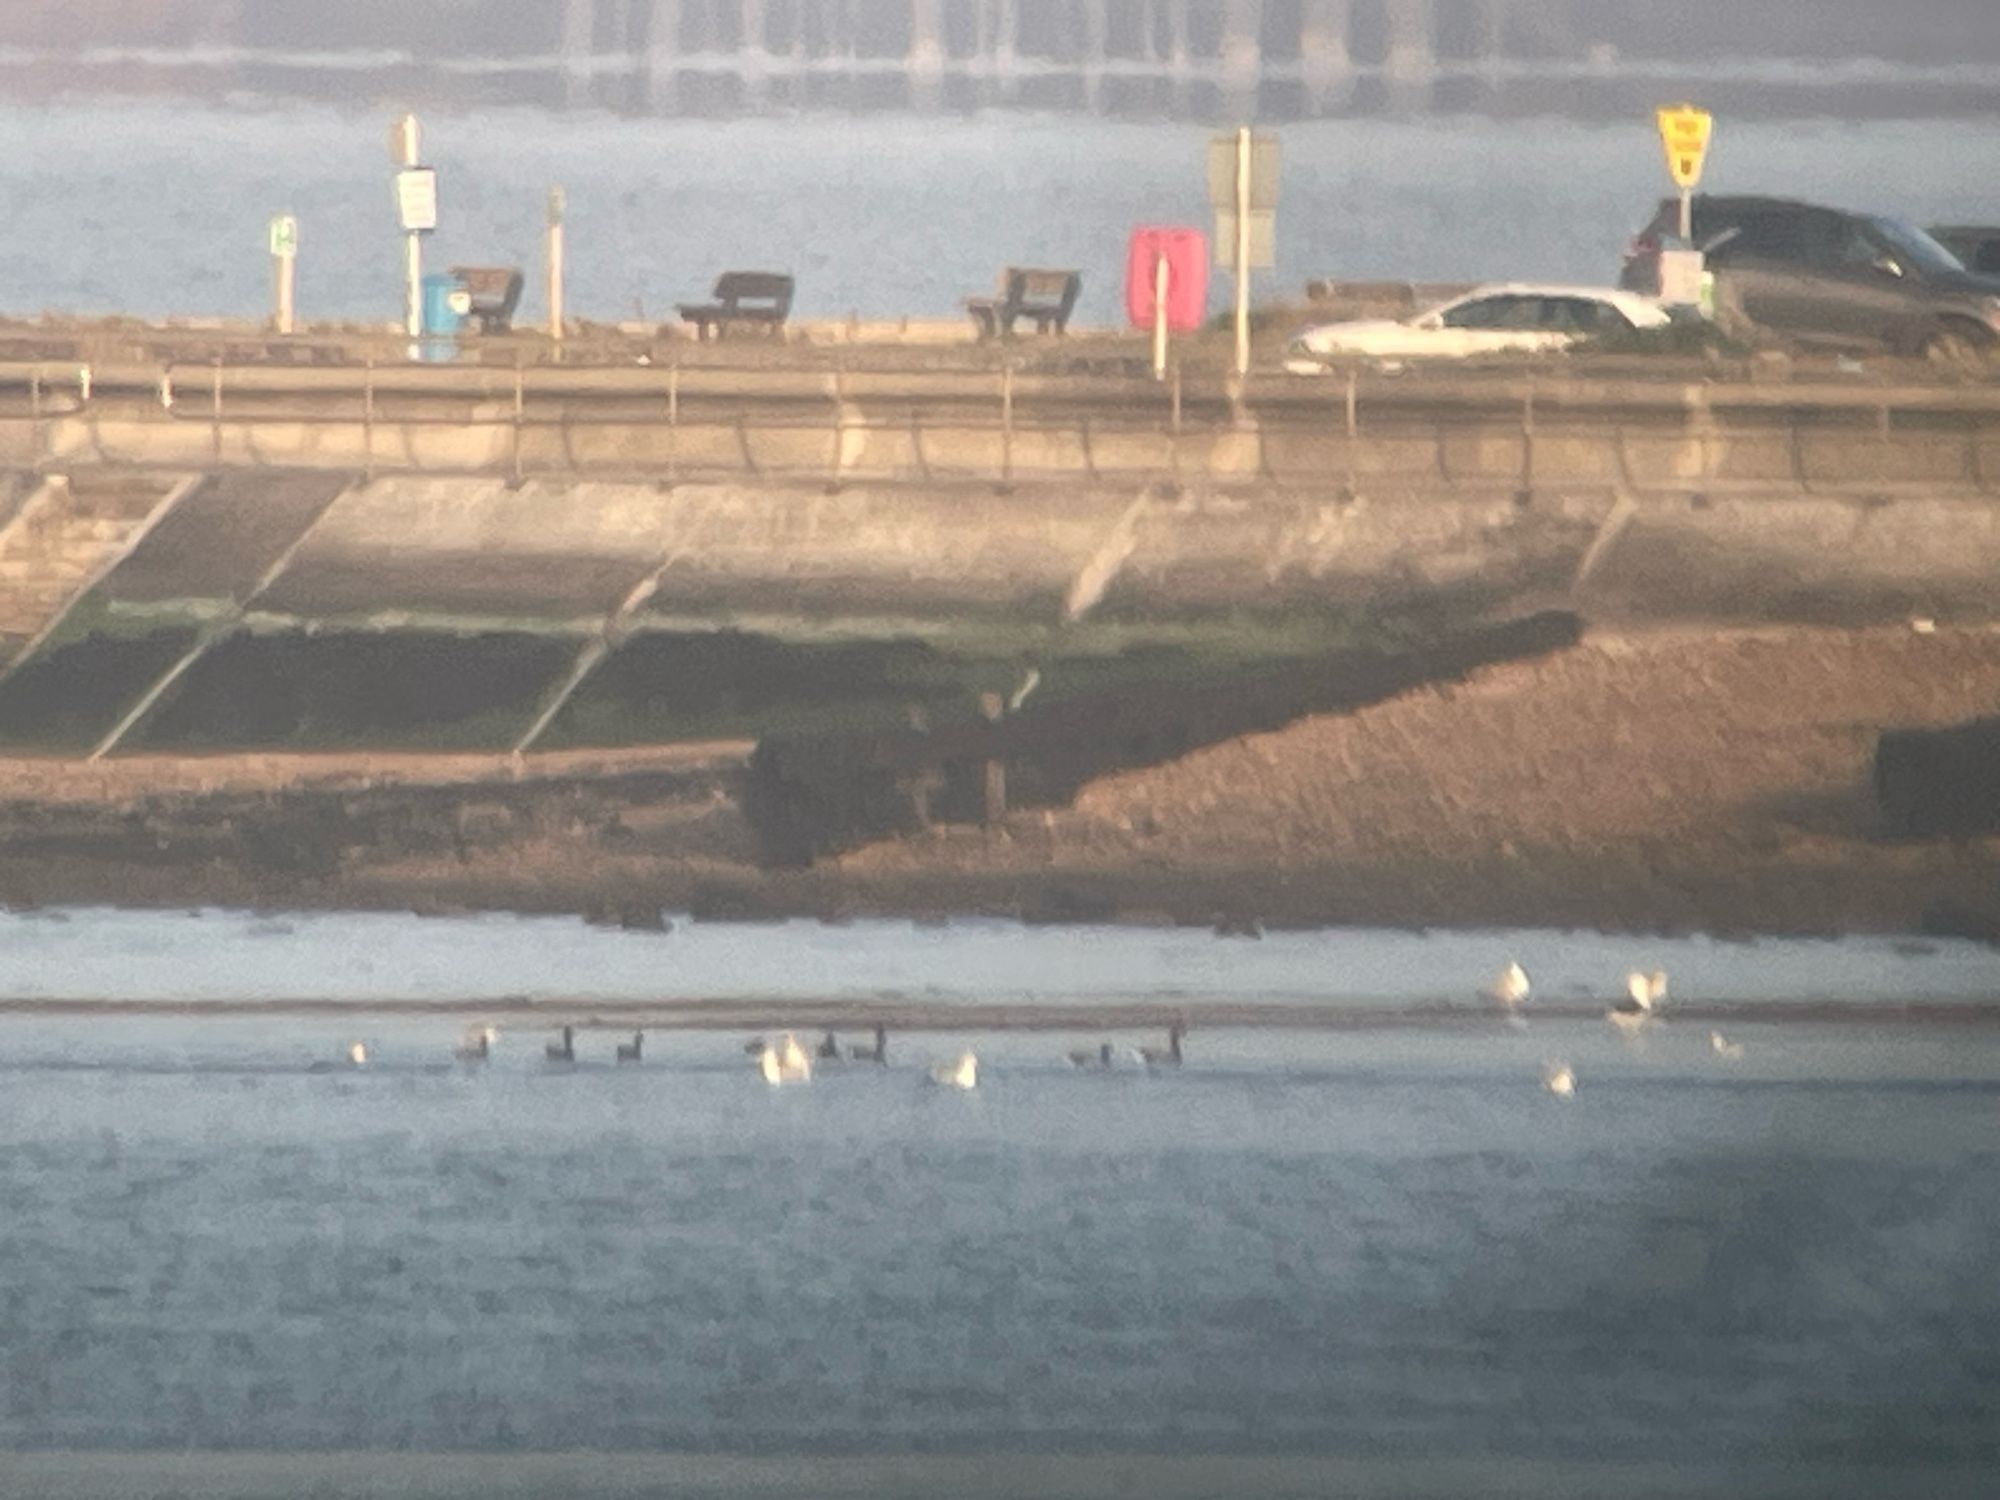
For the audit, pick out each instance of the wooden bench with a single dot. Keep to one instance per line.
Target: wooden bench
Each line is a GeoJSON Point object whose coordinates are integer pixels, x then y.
{"type": "Point", "coordinates": [495, 292]}
{"type": "Point", "coordinates": [742, 297]}
{"type": "Point", "coordinates": [1023, 292]}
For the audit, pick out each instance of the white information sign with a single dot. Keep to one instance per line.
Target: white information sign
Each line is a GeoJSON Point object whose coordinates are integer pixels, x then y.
{"type": "Point", "coordinates": [417, 199]}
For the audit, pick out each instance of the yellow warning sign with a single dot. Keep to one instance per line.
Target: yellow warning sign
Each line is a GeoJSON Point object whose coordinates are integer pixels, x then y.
{"type": "Point", "coordinates": [1684, 131]}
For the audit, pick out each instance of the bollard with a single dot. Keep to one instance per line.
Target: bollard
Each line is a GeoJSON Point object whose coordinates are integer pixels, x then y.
{"type": "Point", "coordinates": [1526, 495]}
{"type": "Point", "coordinates": [993, 769]}
{"type": "Point", "coordinates": [520, 407]}
{"type": "Point", "coordinates": [673, 420]}
{"type": "Point", "coordinates": [1007, 423]}
{"type": "Point", "coordinates": [1353, 436]}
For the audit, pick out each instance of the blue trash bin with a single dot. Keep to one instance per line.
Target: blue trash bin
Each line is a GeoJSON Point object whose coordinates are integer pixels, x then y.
{"type": "Point", "coordinates": [445, 306]}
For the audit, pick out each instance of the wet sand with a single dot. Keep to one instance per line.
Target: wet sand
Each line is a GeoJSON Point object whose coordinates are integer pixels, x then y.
{"type": "Point", "coordinates": [1661, 781]}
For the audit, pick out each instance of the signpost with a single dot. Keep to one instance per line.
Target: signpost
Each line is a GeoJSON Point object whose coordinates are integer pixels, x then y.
{"type": "Point", "coordinates": [557, 212]}
{"type": "Point", "coordinates": [1243, 191]}
{"type": "Point", "coordinates": [284, 262]}
{"type": "Point", "coordinates": [417, 209]}
{"type": "Point", "coordinates": [1685, 132]}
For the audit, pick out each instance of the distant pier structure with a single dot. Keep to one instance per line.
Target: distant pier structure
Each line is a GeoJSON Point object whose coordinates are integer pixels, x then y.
{"type": "Point", "coordinates": [1291, 57]}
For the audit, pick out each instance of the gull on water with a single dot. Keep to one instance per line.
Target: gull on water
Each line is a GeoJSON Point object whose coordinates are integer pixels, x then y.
{"type": "Point", "coordinates": [1559, 1078]}
{"type": "Point", "coordinates": [357, 1055]}
{"type": "Point", "coordinates": [1643, 994]}
{"type": "Point", "coordinates": [1725, 1049]}
{"type": "Point", "coordinates": [785, 1063]}
{"type": "Point", "coordinates": [962, 1072]}
{"type": "Point", "coordinates": [1511, 988]}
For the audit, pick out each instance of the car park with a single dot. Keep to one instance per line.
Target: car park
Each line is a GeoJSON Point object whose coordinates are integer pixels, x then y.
{"type": "Point", "coordinates": [1500, 319]}
{"type": "Point", "coordinates": [1825, 276]}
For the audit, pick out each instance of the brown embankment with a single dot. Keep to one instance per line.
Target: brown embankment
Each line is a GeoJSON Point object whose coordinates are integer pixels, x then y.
{"type": "Point", "coordinates": [1665, 780]}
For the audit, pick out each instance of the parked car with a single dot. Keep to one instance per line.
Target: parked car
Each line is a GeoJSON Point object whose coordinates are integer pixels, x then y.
{"type": "Point", "coordinates": [1826, 276]}
{"type": "Point", "coordinates": [1512, 318]}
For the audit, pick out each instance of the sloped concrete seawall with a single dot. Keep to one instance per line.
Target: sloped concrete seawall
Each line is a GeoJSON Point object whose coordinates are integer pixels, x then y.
{"type": "Point", "coordinates": [557, 493]}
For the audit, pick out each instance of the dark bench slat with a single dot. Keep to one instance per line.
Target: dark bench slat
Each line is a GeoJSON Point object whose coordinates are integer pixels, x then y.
{"type": "Point", "coordinates": [1027, 292]}
{"type": "Point", "coordinates": [763, 297]}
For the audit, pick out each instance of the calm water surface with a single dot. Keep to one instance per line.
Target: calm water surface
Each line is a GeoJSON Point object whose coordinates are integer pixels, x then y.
{"type": "Point", "coordinates": [160, 209]}
{"type": "Point", "coordinates": [1383, 1245]}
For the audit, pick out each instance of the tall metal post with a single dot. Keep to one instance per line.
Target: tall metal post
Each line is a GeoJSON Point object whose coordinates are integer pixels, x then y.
{"type": "Point", "coordinates": [407, 154]}
{"type": "Point", "coordinates": [284, 264]}
{"type": "Point", "coordinates": [1242, 250]}
{"type": "Point", "coordinates": [557, 211]}
{"type": "Point", "coordinates": [1160, 274]}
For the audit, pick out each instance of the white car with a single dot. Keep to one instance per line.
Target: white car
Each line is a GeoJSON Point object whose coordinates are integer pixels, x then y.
{"type": "Point", "coordinates": [1488, 320]}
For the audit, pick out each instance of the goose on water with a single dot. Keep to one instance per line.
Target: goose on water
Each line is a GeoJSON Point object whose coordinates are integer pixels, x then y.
{"type": "Point", "coordinates": [879, 1053]}
{"type": "Point", "coordinates": [628, 1052]}
{"type": "Point", "coordinates": [1083, 1057]}
{"type": "Point", "coordinates": [478, 1044]}
{"type": "Point", "coordinates": [1559, 1078]}
{"type": "Point", "coordinates": [563, 1051]}
{"type": "Point", "coordinates": [962, 1072]}
{"type": "Point", "coordinates": [829, 1048]}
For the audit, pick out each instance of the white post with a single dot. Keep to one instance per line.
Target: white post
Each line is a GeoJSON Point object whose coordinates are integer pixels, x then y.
{"type": "Point", "coordinates": [556, 214]}
{"type": "Point", "coordinates": [284, 233]}
{"type": "Point", "coordinates": [1242, 250]}
{"type": "Point", "coordinates": [408, 155]}
{"type": "Point", "coordinates": [1687, 217]}
{"type": "Point", "coordinates": [282, 265]}
{"type": "Point", "coordinates": [1159, 316]}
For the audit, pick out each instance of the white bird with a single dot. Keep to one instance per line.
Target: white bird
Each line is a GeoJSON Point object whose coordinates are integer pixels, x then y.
{"type": "Point", "coordinates": [1559, 1078]}
{"type": "Point", "coordinates": [357, 1055]}
{"type": "Point", "coordinates": [478, 1044]}
{"type": "Point", "coordinates": [1725, 1049]}
{"type": "Point", "coordinates": [785, 1063]}
{"type": "Point", "coordinates": [960, 1073]}
{"type": "Point", "coordinates": [1512, 987]}
{"type": "Point", "coordinates": [1643, 992]}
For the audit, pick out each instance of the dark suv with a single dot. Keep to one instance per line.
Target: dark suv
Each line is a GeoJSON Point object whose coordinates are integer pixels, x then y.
{"type": "Point", "coordinates": [1825, 276]}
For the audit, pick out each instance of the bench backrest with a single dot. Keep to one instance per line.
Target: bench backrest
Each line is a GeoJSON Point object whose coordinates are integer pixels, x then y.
{"type": "Point", "coordinates": [734, 288]}
{"type": "Point", "coordinates": [1029, 287]}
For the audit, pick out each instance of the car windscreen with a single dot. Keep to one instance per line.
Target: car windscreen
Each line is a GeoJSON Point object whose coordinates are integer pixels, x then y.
{"type": "Point", "coordinates": [1918, 248]}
